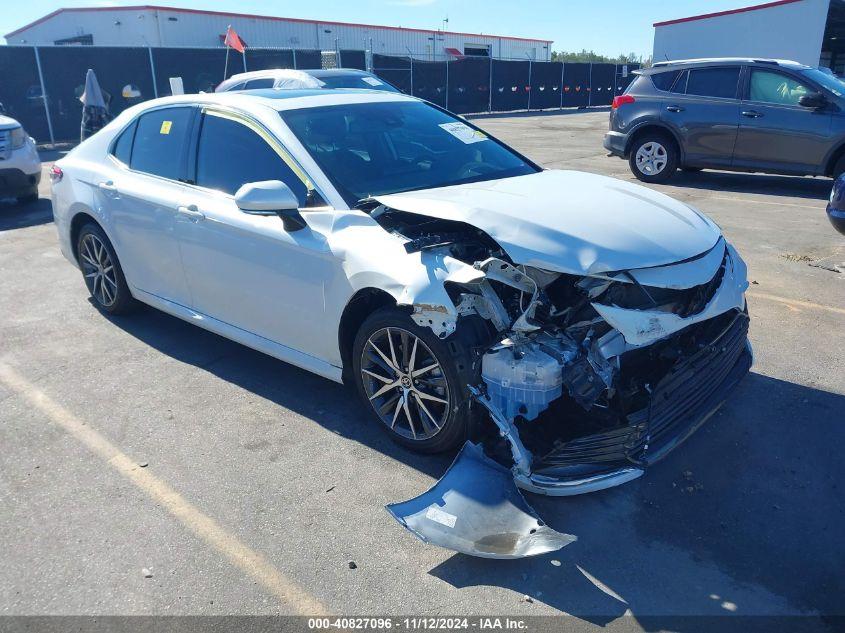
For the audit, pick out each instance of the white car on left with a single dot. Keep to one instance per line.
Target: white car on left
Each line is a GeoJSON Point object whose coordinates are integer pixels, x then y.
{"type": "Point", "coordinates": [20, 166]}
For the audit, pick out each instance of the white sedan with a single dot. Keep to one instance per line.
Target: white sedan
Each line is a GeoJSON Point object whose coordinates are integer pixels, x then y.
{"type": "Point", "coordinates": [570, 328]}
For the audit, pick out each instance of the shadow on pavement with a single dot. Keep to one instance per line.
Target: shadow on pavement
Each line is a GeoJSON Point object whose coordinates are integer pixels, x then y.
{"type": "Point", "coordinates": [792, 186]}
{"type": "Point", "coordinates": [745, 519]}
{"type": "Point", "coordinates": [14, 215]}
{"type": "Point", "coordinates": [751, 500]}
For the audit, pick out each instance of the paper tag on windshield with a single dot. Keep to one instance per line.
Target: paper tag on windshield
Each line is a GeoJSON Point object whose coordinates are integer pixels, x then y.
{"type": "Point", "coordinates": [464, 132]}
{"type": "Point", "coordinates": [165, 127]}
{"type": "Point", "coordinates": [372, 81]}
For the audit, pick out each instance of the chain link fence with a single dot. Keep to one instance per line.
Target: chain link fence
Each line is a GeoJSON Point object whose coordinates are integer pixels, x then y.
{"type": "Point", "coordinates": [42, 85]}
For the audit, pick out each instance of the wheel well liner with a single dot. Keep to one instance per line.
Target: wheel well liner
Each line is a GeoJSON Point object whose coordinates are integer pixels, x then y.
{"type": "Point", "coordinates": [362, 304]}
{"type": "Point", "coordinates": [76, 224]}
{"type": "Point", "coordinates": [653, 128]}
{"type": "Point", "coordinates": [835, 155]}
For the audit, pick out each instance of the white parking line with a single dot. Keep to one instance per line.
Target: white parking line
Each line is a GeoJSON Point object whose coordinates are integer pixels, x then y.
{"type": "Point", "coordinates": [203, 526]}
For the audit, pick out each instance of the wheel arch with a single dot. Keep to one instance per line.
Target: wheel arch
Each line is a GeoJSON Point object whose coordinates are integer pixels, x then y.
{"type": "Point", "coordinates": [653, 127]}
{"type": "Point", "coordinates": [833, 158]}
{"type": "Point", "coordinates": [361, 305]}
{"type": "Point", "coordinates": [79, 220]}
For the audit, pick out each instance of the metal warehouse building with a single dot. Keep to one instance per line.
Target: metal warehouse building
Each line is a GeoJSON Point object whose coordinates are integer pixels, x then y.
{"type": "Point", "coordinates": [808, 31]}
{"type": "Point", "coordinates": [155, 26]}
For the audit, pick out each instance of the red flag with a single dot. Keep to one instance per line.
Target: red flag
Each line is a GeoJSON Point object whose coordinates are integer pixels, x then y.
{"type": "Point", "coordinates": [233, 40]}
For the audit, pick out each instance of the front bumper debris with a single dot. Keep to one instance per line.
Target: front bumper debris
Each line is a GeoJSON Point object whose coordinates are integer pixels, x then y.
{"type": "Point", "coordinates": [477, 509]}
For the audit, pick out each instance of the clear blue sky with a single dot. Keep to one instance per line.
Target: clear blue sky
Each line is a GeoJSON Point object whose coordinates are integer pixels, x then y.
{"type": "Point", "coordinates": [609, 27]}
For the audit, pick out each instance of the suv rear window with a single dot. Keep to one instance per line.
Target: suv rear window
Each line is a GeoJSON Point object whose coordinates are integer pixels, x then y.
{"type": "Point", "coordinates": [254, 84]}
{"type": "Point", "coordinates": [663, 81]}
{"type": "Point", "coordinates": [713, 82]}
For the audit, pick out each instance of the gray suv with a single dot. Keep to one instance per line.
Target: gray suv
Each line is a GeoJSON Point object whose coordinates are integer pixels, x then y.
{"type": "Point", "coordinates": [755, 115]}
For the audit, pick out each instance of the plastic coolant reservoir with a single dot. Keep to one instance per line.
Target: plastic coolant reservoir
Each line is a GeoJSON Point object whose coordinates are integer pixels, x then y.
{"type": "Point", "coordinates": [521, 381]}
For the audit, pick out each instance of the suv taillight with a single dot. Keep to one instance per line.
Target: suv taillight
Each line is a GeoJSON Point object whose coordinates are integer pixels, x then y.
{"type": "Point", "coordinates": [56, 174]}
{"type": "Point", "coordinates": [621, 100]}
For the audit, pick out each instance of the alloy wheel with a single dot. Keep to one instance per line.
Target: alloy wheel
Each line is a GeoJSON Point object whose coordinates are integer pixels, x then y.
{"type": "Point", "coordinates": [98, 270]}
{"type": "Point", "coordinates": [651, 158]}
{"type": "Point", "coordinates": [405, 383]}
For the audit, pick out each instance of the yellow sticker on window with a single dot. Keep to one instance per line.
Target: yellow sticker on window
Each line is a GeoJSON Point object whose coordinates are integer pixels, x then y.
{"type": "Point", "coordinates": [165, 127]}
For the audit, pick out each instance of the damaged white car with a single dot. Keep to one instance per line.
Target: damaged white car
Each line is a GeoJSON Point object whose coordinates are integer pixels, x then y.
{"type": "Point", "coordinates": [568, 329]}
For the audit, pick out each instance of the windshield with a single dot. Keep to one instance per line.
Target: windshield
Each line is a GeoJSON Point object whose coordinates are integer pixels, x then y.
{"type": "Point", "coordinates": [370, 149]}
{"type": "Point", "coordinates": [831, 82]}
{"type": "Point", "coordinates": [356, 81]}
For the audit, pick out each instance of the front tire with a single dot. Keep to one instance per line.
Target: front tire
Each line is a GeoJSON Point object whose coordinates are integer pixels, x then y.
{"type": "Point", "coordinates": [653, 158]}
{"type": "Point", "coordinates": [102, 272]}
{"type": "Point", "coordinates": [413, 383]}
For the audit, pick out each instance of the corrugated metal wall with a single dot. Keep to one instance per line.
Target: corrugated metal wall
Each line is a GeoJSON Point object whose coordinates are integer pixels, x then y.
{"type": "Point", "coordinates": [149, 27]}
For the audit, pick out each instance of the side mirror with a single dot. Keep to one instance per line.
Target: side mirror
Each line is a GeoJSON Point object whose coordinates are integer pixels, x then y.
{"type": "Point", "coordinates": [271, 197]}
{"type": "Point", "coordinates": [813, 100]}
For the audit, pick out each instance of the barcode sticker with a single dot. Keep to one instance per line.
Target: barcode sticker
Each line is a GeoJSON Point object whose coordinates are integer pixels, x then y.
{"type": "Point", "coordinates": [165, 127]}
{"type": "Point", "coordinates": [441, 516]}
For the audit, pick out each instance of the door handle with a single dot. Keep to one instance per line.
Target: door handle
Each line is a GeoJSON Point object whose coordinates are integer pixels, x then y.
{"type": "Point", "coordinates": [752, 114]}
{"type": "Point", "coordinates": [191, 212]}
{"type": "Point", "coordinates": [674, 108]}
{"type": "Point", "coordinates": [108, 187]}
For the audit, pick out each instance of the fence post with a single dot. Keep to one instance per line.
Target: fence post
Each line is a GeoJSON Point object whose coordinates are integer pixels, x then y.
{"type": "Point", "coordinates": [153, 71]}
{"type": "Point", "coordinates": [490, 92]}
{"type": "Point", "coordinates": [562, 77]}
{"type": "Point", "coordinates": [590, 86]}
{"type": "Point", "coordinates": [412, 75]}
{"type": "Point", "coordinates": [529, 84]}
{"type": "Point", "coordinates": [44, 97]}
{"type": "Point", "coordinates": [243, 56]}
{"type": "Point", "coordinates": [447, 83]}
{"type": "Point", "coordinates": [294, 58]}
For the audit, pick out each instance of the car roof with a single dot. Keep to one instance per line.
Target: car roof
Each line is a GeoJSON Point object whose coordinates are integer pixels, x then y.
{"type": "Point", "coordinates": [285, 99]}
{"type": "Point", "coordinates": [717, 61]}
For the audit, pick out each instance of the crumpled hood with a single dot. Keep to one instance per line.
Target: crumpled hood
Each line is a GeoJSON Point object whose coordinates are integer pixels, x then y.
{"type": "Point", "coordinates": [570, 221]}
{"type": "Point", "coordinates": [7, 123]}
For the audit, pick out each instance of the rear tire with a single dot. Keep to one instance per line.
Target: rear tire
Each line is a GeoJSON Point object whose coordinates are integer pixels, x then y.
{"type": "Point", "coordinates": [436, 399]}
{"type": "Point", "coordinates": [653, 157]}
{"type": "Point", "coordinates": [101, 271]}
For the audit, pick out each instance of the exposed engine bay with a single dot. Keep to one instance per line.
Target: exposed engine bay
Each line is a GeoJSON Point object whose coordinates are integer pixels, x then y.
{"type": "Point", "coordinates": [587, 379]}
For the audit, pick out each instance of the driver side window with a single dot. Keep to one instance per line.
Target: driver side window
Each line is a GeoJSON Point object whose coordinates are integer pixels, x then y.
{"type": "Point", "coordinates": [229, 154]}
{"type": "Point", "coordinates": [772, 87]}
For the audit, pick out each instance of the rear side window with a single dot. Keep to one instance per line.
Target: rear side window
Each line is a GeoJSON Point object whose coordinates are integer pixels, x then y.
{"type": "Point", "coordinates": [230, 155]}
{"type": "Point", "coordinates": [122, 150]}
{"type": "Point", "coordinates": [254, 84]}
{"type": "Point", "coordinates": [160, 142]}
{"type": "Point", "coordinates": [713, 82]}
{"type": "Point", "coordinates": [664, 81]}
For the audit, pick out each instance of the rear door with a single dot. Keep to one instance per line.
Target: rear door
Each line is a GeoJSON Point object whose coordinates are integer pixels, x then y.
{"type": "Point", "coordinates": [775, 132]}
{"type": "Point", "coordinates": [140, 195]}
{"type": "Point", "coordinates": [703, 110]}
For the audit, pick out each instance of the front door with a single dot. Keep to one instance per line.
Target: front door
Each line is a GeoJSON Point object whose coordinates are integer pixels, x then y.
{"type": "Point", "coordinates": [703, 110]}
{"type": "Point", "coordinates": [775, 132]}
{"type": "Point", "coordinates": [246, 270]}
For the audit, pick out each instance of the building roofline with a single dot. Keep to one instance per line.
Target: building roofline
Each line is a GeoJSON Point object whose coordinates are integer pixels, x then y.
{"type": "Point", "coordinates": [151, 7]}
{"type": "Point", "coordinates": [717, 14]}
